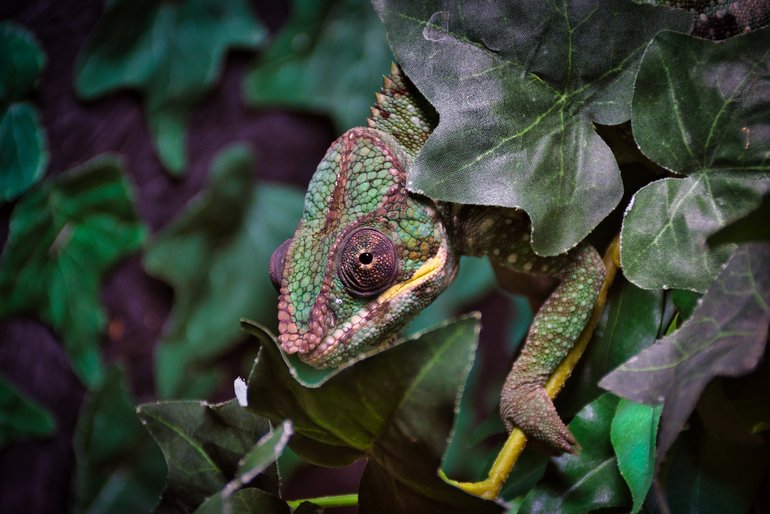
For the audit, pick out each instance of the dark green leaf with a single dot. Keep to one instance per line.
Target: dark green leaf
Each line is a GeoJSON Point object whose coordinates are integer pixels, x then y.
{"type": "Point", "coordinates": [329, 58]}
{"type": "Point", "coordinates": [171, 51]}
{"type": "Point", "coordinates": [517, 86]}
{"type": "Point", "coordinates": [633, 434]}
{"type": "Point", "coordinates": [203, 445]}
{"type": "Point", "coordinates": [628, 325]}
{"type": "Point", "coordinates": [590, 480]}
{"type": "Point", "coordinates": [700, 108]}
{"type": "Point", "coordinates": [395, 408]}
{"type": "Point", "coordinates": [245, 501]}
{"type": "Point", "coordinates": [233, 499]}
{"type": "Point", "coordinates": [704, 475]}
{"type": "Point", "coordinates": [725, 336]}
{"type": "Point", "coordinates": [216, 256]}
{"type": "Point", "coordinates": [119, 467]}
{"type": "Point", "coordinates": [752, 227]}
{"type": "Point", "coordinates": [23, 60]}
{"type": "Point", "coordinates": [64, 235]}
{"type": "Point", "coordinates": [21, 417]}
{"type": "Point", "coordinates": [23, 156]}
{"type": "Point", "coordinates": [685, 302]}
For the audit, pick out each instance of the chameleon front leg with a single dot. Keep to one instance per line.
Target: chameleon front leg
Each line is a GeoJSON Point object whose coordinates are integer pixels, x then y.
{"type": "Point", "coordinates": [503, 235]}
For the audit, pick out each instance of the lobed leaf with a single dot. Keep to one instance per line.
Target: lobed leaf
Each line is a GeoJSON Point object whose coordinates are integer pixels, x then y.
{"type": "Point", "coordinates": [395, 408]}
{"type": "Point", "coordinates": [517, 100]}
{"type": "Point", "coordinates": [329, 58]}
{"type": "Point", "coordinates": [64, 235]}
{"type": "Point", "coordinates": [705, 474]}
{"type": "Point", "coordinates": [752, 227]}
{"type": "Point", "coordinates": [23, 154]}
{"type": "Point", "coordinates": [171, 52]}
{"type": "Point", "coordinates": [700, 108]}
{"type": "Point", "coordinates": [216, 255]}
{"type": "Point", "coordinates": [725, 336]}
{"type": "Point", "coordinates": [203, 445]}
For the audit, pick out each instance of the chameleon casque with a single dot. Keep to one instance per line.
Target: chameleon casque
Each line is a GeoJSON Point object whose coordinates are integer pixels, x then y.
{"type": "Point", "coordinates": [368, 255]}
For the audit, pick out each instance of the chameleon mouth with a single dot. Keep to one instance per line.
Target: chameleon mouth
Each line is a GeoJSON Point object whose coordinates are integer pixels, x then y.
{"type": "Point", "coordinates": [331, 350]}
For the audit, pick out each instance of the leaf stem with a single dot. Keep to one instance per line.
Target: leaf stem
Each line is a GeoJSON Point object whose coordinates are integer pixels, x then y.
{"type": "Point", "coordinates": [514, 445]}
{"type": "Point", "coordinates": [328, 502]}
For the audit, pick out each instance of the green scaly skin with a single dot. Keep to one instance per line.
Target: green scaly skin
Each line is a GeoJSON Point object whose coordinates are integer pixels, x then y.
{"type": "Point", "coordinates": [359, 188]}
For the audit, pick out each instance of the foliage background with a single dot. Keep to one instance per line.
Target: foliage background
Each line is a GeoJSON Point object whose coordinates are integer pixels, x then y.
{"type": "Point", "coordinates": [39, 474]}
{"type": "Point", "coordinates": [180, 272]}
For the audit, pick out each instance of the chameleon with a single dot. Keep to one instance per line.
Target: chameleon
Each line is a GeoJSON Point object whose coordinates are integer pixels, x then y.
{"type": "Point", "coordinates": [368, 255]}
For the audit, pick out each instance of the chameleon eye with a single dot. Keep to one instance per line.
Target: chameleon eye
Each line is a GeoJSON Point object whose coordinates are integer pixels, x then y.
{"type": "Point", "coordinates": [276, 264]}
{"type": "Point", "coordinates": [368, 262]}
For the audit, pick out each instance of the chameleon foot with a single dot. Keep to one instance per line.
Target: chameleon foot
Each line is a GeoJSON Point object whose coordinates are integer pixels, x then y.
{"type": "Point", "coordinates": [528, 407]}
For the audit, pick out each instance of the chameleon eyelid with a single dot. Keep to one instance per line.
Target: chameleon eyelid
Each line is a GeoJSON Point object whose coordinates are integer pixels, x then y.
{"type": "Point", "coordinates": [366, 279]}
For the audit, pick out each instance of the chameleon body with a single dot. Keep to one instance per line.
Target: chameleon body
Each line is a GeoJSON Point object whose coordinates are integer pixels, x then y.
{"type": "Point", "coordinates": [368, 255]}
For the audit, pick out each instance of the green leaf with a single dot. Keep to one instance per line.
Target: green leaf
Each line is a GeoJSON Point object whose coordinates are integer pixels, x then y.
{"type": "Point", "coordinates": [706, 475]}
{"type": "Point", "coordinates": [216, 256]}
{"type": "Point", "coordinates": [633, 433]}
{"type": "Point", "coordinates": [119, 467]}
{"type": "Point", "coordinates": [23, 155]}
{"type": "Point", "coordinates": [700, 108]}
{"type": "Point", "coordinates": [172, 52]}
{"type": "Point", "coordinates": [395, 408]}
{"type": "Point", "coordinates": [64, 235]}
{"type": "Point", "coordinates": [21, 417]}
{"type": "Point", "coordinates": [329, 58]}
{"type": "Point", "coordinates": [752, 227]}
{"type": "Point", "coordinates": [590, 480]}
{"type": "Point", "coordinates": [518, 86]}
{"type": "Point", "coordinates": [629, 324]}
{"type": "Point", "coordinates": [725, 336]}
{"type": "Point", "coordinates": [203, 445]}
{"type": "Point", "coordinates": [245, 501]}
{"type": "Point", "coordinates": [233, 499]}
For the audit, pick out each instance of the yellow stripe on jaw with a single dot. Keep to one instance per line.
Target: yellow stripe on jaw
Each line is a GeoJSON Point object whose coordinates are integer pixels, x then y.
{"type": "Point", "coordinates": [423, 273]}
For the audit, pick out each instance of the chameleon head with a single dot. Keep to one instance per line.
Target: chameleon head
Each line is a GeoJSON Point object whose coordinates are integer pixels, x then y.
{"type": "Point", "coordinates": [365, 257]}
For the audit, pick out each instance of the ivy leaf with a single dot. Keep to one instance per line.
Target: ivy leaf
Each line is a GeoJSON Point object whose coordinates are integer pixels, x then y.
{"type": "Point", "coordinates": [64, 235]}
{"type": "Point", "coordinates": [23, 155]}
{"type": "Point", "coordinates": [725, 336]}
{"type": "Point", "coordinates": [517, 108]}
{"type": "Point", "coordinates": [119, 467]}
{"type": "Point", "coordinates": [752, 227]}
{"type": "Point", "coordinates": [244, 501]}
{"type": "Point", "coordinates": [171, 52]}
{"type": "Point", "coordinates": [704, 474]}
{"type": "Point", "coordinates": [216, 256]}
{"type": "Point", "coordinates": [589, 481]}
{"type": "Point", "coordinates": [20, 416]}
{"type": "Point", "coordinates": [700, 108]}
{"type": "Point", "coordinates": [233, 499]}
{"type": "Point", "coordinates": [329, 58]}
{"type": "Point", "coordinates": [394, 408]}
{"type": "Point", "coordinates": [633, 433]}
{"type": "Point", "coordinates": [203, 445]}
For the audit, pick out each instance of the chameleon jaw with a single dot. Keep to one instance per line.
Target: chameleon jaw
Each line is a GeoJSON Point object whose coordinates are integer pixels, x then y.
{"type": "Point", "coordinates": [332, 349]}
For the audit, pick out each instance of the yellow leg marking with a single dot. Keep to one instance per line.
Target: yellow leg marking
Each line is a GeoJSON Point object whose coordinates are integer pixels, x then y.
{"type": "Point", "coordinates": [514, 445]}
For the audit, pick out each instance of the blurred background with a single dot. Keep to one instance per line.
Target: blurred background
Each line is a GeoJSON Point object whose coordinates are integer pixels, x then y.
{"type": "Point", "coordinates": [215, 114]}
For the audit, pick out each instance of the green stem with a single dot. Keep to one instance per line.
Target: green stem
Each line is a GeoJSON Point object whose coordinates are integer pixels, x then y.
{"type": "Point", "coordinates": [329, 502]}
